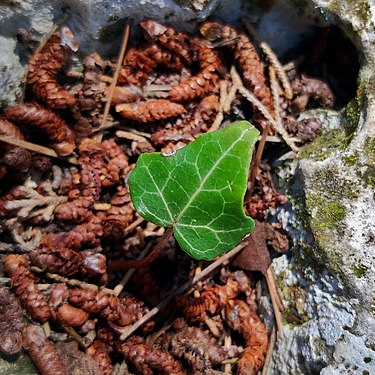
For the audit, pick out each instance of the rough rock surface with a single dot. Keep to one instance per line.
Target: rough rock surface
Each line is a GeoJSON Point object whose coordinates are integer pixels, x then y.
{"type": "Point", "coordinates": [333, 193]}
{"type": "Point", "coordinates": [329, 280]}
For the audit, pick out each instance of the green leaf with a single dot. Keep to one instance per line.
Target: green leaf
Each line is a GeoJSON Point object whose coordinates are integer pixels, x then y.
{"type": "Point", "coordinates": [199, 190]}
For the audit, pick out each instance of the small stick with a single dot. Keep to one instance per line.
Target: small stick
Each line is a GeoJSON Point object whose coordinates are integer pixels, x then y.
{"type": "Point", "coordinates": [151, 88]}
{"type": "Point", "coordinates": [201, 276]}
{"type": "Point", "coordinates": [220, 116]}
{"type": "Point", "coordinates": [271, 346]}
{"type": "Point", "coordinates": [131, 136]}
{"type": "Point", "coordinates": [230, 360]}
{"type": "Point", "coordinates": [253, 100]}
{"type": "Point", "coordinates": [273, 293]}
{"type": "Point", "coordinates": [141, 263]}
{"type": "Point", "coordinates": [257, 160]}
{"type": "Point", "coordinates": [37, 148]}
{"type": "Point", "coordinates": [115, 77]}
{"type": "Point", "coordinates": [278, 122]}
{"type": "Point", "coordinates": [134, 131]}
{"type": "Point", "coordinates": [280, 72]}
{"type": "Point", "coordinates": [199, 285]}
{"type": "Point", "coordinates": [101, 206]}
{"type": "Point", "coordinates": [71, 282]}
{"type": "Point", "coordinates": [227, 344]}
{"type": "Point", "coordinates": [211, 324]}
{"type": "Point", "coordinates": [273, 286]}
{"type": "Point", "coordinates": [73, 333]}
{"type": "Point", "coordinates": [47, 329]}
{"type": "Point", "coordinates": [249, 95]}
{"type": "Point", "coordinates": [224, 43]}
{"type": "Point", "coordinates": [106, 79]}
{"type": "Point", "coordinates": [13, 249]}
{"type": "Point", "coordinates": [134, 225]}
{"type": "Point", "coordinates": [231, 95]}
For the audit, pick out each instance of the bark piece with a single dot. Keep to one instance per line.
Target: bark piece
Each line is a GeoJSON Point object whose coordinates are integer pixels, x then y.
{"type": "Point", "coordinates": [75, 361]}
{"type": "Point", "coordinates": [306, 129]}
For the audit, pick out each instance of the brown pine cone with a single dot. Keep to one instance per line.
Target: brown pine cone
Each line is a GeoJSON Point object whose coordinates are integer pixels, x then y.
{"type": "Point", "coordinates": [44, 66]}
{"type": "Point", "coordinates": [51, 124]}
{"type": "Point", "coordinates": [24, 285]}
{"type": "Point", "coordinates": [151, 110]}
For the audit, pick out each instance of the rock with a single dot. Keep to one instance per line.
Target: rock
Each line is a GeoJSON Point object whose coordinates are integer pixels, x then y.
{"type": "Point", "coordinates": [12, 72]}
{"type": "Point", "coordinates": [328, 282]}
{"type": "Point", "coordinates": [333, 192]}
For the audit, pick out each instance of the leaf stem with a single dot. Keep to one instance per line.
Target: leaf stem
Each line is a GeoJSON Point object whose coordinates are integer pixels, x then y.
{"type": "Point", "coordinates": [141, 263]}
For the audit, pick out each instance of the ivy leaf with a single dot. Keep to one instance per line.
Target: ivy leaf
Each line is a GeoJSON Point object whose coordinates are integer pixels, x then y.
{"type": "Point", "coordinates": [199, 190]}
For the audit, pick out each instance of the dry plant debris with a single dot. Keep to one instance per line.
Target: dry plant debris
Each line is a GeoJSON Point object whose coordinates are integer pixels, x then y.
{"type": "Point", "coordinates": [63, 224]}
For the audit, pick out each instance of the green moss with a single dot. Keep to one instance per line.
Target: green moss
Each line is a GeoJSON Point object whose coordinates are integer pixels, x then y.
{"type": "Point", "coordinates": [369, 150]}
{"type": "Point", "coordinates": [352, 111]}
{"type": "Point", "coordinates": [366, 171]}
{"type": "Point", "coordinates": [324, 145]}
{"type": "Point", "coordinates": [351, 160]}
{"type": "Point", "coordinates": [328, 215]}
{"type": "Point", "coordinates": [357, 9]}
{"type": "Point", "coordinates": [367, 359]}
{"type": "Point", "coordinates": [367, 176]}
{"type": "Point", "coordinates": [325, 218]}
{"type": "Point", "coordinates": [359, 270]}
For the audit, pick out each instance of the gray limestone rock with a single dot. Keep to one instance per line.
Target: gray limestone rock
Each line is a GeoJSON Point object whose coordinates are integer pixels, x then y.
{"type": "Point", "coordinates": [329, 279]}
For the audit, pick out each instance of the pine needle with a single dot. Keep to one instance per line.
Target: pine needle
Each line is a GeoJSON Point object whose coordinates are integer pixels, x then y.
{"type": "Point", "coordinates": [115, 78]}
{"type": "Point", "coordinates": [37, 148]}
